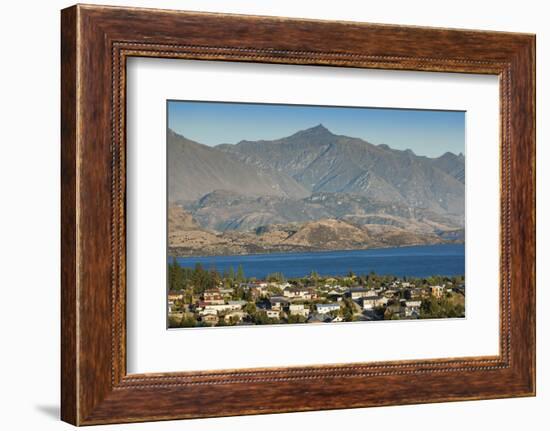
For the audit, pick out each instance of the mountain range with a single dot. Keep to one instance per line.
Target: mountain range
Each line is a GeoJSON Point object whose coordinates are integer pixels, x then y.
{"type": "Point", "coordinates": [253, 188]}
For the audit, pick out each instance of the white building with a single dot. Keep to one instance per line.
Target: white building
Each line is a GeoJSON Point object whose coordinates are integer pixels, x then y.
{"type": "Point", "coordinates": [237, 304]}
{"type": "Point", "coordinates": [278, 302]}
{"type": "Point", "coordinates": [298, 310]}
{"type": "Point", "coordinates": [299, 292]}
{"type": "Point", "coordinates": [218, 308]}
{"type": "Point", "coordinates": [361, 292]}
{"type": "Point", "coordinates": [374, 301]}
{"type": "Point", "coordinates": [208, 311]}
{"type": "Point", "coordinates": [327, 308]}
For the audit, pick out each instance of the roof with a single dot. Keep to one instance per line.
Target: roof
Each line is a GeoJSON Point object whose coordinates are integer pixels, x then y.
{"type": "Point", "coordinates": [298, 289]}
{"type": "Point", "coordinates": [278, 299]}
{"type": "Point", "coordinates": [358, 289]}
{"type": "Point", "coordinates": [374, 298]}
{"type": "Point", "coordinates": [318, 318]}
{"type": "Point", "coordinates": [236, 302]}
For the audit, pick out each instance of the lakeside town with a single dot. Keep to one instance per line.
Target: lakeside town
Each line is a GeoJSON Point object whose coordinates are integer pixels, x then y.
{"type": "Point", "coordinates": [200, 297]}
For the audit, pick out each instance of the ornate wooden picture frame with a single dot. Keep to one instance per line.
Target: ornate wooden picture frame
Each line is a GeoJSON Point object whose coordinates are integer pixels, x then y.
{"type": "Point", "coordinates": [96, 41]}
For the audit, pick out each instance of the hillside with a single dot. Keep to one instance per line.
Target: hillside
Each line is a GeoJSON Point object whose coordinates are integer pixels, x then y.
{"type": "Point", "coordinates": [324, 162]}
{"type": "Point", "coordinates": [195, 170]}
{"type": "Point", "coordinates": [319, 235]}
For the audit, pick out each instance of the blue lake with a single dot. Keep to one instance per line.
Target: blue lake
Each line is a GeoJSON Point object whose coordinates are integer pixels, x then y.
{"type": "Point", "coordinates": [417, 261]}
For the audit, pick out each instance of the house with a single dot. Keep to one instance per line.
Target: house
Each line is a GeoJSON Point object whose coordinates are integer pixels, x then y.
{"type": "Point", "coordinates": [175, 296]}
{"type": "Point", "coordinates": [258, 292]}
{"type": "Point", "coordinates": [210, 319]}
{"type": "Point", "coordinates": [299, 293]}
{"type": "Point", "coordinates": [213, 297]}
{"type": "Point", "coordinates": [226, 291]}
{"type": "Point", "coordinates": [220, 308]}
{"type": "Point", "coordinates": [412, 308]}
{"type": "Point", "coordinates": [234, 316]}
{"type": "Point", "coordinates": [278, 302]}
{"type": "Point", "coordinates": [437, 291]}
{"type": "Point", "coordinates": [258, 289]}
{"type": "Point", "coordinates": [209, 310]}
{"type": "Point", "coordinates": [236, 305]}
{"type": "Point", "coordinates": [327, 308]}
{"type": "Point", "coordinates": [416, 293]}
{"type": "Point", "coordinates": [374, 302]}
{"type": "Point", "coordinates": [359, 292]}
{"type": "Point", "coordinates": [299, 310]}
{"type": "Point", "coordinates": [273, 314]}
{"type": "Point", "coordinates": [170, 306]}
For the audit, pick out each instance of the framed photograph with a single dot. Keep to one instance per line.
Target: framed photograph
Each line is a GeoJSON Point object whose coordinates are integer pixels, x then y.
{"type": "Point", "coordinates": [323, 214]}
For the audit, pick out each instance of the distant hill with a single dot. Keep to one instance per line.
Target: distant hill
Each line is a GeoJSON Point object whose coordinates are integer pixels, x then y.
{"type": "Point", "coordinates": [324, 162]}
{"type": "Point", "coordinates": [187, 239]}
{"type": "Point", "coordinates": [222, 210]}
{"type": "Point", "coordinates": [195, 170]}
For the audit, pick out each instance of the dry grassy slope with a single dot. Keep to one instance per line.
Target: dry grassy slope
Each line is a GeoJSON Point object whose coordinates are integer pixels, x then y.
{"type": "Point", "coordinates": [186, 238]}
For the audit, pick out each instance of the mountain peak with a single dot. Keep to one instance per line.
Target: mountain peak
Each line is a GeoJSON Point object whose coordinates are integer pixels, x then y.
{"type": "Point", "coordinates": [451, 156]}
{"type": "Point", "coordinates": [319, 128]}
{"type": "Point", "coordinates": [316, 131]}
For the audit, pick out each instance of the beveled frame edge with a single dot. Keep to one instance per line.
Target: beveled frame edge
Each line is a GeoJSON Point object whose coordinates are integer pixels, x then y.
{"type": "Point", "coordinates": [96, 41]}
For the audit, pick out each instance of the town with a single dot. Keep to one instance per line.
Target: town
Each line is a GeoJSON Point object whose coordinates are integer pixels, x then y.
{"type": "Point", "coordinates": [199, 297]}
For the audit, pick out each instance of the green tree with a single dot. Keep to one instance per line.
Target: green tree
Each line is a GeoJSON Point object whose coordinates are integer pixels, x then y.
{"type": "Point", "coordinates": [260, 318]}
{"type": "Point", "coordinates": [276, 277]}
{"type": "Point", "coordinates": [175, 276]}
{"type": "Point", "coordinates": [240, 274]}
{"type": "Point", "coordinates": [250, 308]}
{"type": "Point", "coordinates": [188, 321]}
{"type": "Point", "coordinates": [314, 277]}
{"type": "Point", "coordinates": [296, 318]}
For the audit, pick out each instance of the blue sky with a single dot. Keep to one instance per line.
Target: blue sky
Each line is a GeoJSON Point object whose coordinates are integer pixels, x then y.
{"type": "Point", "coordinates": [427, 133]}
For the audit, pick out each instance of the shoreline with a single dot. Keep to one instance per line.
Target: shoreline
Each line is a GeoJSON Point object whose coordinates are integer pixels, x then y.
{"type": "Point", "coordinates": [314, 251]}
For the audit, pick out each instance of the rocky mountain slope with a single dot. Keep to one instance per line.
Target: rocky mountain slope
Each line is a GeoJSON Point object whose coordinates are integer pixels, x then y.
{"type": "Point", "coordinates": [324, 162]}
{"type": "Point", "coordinates": [452, 164]}
{"type": "Point", "coordinates": [195, 170]}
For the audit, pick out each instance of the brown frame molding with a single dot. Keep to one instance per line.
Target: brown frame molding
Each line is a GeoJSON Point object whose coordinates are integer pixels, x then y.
{"type": "Point", "coordinates": [95, 43]}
